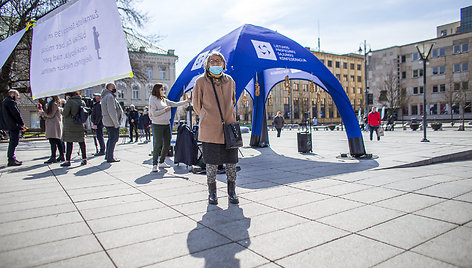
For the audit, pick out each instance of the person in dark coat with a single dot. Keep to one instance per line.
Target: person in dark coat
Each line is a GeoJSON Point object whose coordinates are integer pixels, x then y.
{"type": "Point", "coordinates": [279, 123]}
{"type": "Point", "coordinates": [73, 132]}
{"type": "Point", "coordinates": [133, 117]}
{"type": "Point", "coordinates": [186, 148]}
{"type": "Point", "coordinates": [141, 124]}
{"type": "Point", "coordinates": [147, 124]}
{"type": "Point", "coordinates": [96, 119]}
{"type": "Point", "coordinates": [13, 123]}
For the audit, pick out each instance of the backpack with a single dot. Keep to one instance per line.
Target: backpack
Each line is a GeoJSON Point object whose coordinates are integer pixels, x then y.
{"type": "Point", "coordinates": [82, 115]}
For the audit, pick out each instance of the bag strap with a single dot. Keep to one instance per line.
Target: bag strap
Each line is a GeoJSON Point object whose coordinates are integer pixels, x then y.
{"type": "Point", "coordinates": [217, 101]}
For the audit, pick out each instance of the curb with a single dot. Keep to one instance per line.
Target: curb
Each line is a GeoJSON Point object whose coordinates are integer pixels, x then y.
{"type": "Point", "coordinates": [465, 155]}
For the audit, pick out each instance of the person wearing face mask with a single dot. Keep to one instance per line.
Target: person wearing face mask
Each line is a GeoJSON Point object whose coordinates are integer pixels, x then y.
{"type": "Point", "coordinates": [53, 117]}
{"type": "Point", "coordinates": [147, 124]}
{"type": "Point", "coordinates": [210, 131]}
{"type": "Point", "coordinates": [13, 123]}
{"type": "Point", "coordinates": [112, 115]}
{"type": "Point", "coordinates": [160, 113]}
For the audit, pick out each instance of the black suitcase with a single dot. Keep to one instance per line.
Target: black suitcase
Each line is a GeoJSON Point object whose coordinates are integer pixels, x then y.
{"type": "Point", "coordinates": [304, 142]}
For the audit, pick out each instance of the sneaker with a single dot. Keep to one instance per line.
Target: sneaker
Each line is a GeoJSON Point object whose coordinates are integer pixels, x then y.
{"type": "Point", "coordinates": [154, 168]}
{"type": "Point", "coordinates": [164, 165]}
{"type": "Point", "coordinates": [113, 160]}
{"type": "Point", "coordinates": [84, 162]}
{"type": "Point", "coordinates": [65, 164]}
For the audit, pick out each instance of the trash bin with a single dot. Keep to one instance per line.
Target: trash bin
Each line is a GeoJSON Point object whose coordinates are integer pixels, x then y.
{"type": "Point", "coordinates": [304, 142]}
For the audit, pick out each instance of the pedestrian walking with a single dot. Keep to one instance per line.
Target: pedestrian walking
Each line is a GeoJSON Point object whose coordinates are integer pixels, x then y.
{"type": "Point", "coordinates": [13, 123]}
{"type": "Point", "coordinates": [112, 115]}
{"type": "Point", "coordinates": [133, 118]}
{"type": "Point", "coordinates": [73, 132]}
{"type": "Point", "coordinates": [279, 123]}
{"type": "Point", "coordinates": [391, 123]}
{"type": "Point", "coordinates": [53, 119]}
{"type": "Point", "coordinates": [97, 124]}
{"type": "Point", "coordinates": [159, 112]}
{"type": "Point", "coordinates": [374, 122]}
{"type": "Point", "coordinates": [210, 131]}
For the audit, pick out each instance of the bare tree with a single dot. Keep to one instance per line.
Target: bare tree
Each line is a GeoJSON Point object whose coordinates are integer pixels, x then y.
{"type": "Point", "coordinates": [15, 15]}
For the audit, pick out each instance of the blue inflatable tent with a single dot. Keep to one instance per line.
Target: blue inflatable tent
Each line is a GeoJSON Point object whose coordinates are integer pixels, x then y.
{"type": "Point", "coordinates": [249, 51]}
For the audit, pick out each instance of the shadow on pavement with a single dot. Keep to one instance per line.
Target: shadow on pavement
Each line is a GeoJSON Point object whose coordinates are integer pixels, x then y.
{"type": "Point", "coordinates": [47, 174]}
{"type": "Point", "coordinates": [214, 247]}
{"type": "Point", "coordinates": [92, 169]}
{"type": "Point", "coordinates": [281, 169]}
{"type": "Point", "coordinates": [151, 176]}
{"type": "Point", "coordinates": [24, 168]}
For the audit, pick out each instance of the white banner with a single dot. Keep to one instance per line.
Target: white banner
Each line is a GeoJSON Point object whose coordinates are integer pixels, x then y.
{"type": "Point", "coordinates": [80, 47]}
{"type": "Point", "coordinates": [8, 45]}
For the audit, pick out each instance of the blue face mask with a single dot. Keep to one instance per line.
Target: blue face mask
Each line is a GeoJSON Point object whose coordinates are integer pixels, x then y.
{"type": "Point", "coordinates": [216, 70]}
{"type": "Point", "coordinates": [48, 99]}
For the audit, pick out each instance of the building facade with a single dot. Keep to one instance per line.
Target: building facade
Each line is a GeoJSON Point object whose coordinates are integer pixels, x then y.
{"type": "Point", "coordinates": [304, 100]}
{"type": "Point", "coordinates": [399, 69]}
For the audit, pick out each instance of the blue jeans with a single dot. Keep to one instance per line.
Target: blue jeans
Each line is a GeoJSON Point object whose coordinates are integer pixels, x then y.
{"type": "Point", "coordinates": [113, 136]}
{"type": "Point", "coordinates": [101, 141]}
{"type": "Point", "coordinates": [372, 130]}
{"type": "Point", "coordinates": [14, 139]}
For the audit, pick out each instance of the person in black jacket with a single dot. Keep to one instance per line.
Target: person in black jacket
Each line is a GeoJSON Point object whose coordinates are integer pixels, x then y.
{"type": "Point", "coordinates": [13, 123]}
{"type": "Point", "coordinates": [96, 118]}
{"type": "Point", "coordinates": [133, 117]}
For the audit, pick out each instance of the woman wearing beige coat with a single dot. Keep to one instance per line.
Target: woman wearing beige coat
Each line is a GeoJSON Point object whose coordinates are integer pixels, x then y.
{"type": "Point", "coordinates": [52, 116]}
{"type": "Point", "coordinates": [210, 131]}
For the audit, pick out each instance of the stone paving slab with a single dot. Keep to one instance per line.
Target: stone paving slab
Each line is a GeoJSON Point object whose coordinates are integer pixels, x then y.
{"type": "Point", "coordinates": [296, 210]}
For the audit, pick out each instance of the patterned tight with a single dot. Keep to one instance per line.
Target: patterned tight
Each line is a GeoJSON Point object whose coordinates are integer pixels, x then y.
{"type": "Point", "coordinates": [212, 169]}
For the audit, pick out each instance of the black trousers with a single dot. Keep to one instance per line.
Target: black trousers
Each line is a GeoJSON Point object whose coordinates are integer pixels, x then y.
{"type": "Point", "coordinates": [56, 144]}
{"type": "Point", "coordinates": [133, 126]}
{"type": "Point", "coordinates": [70, 147]}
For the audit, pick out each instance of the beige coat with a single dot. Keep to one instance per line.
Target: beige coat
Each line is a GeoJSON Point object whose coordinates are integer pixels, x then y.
{"type": "Point", "coordinates": [53, 122]}
{"type": "Point", "coordinates": [204, 104]}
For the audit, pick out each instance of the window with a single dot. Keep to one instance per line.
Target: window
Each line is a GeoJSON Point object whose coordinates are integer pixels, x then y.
{"type": "Point", "coordinates": [465, 85]}
{"type": "Point", "coordinates": [457, 68]}
{"type": "Point", "coordinates": [345, 77]}
{"type": "Point", "coordinates": [352, 66]}
{"type": "Point", "coordinates": [465, 48]}
{"type": "Point", "coordinates": [465, 67]}
{"type": "Point", "coordinates": [403, 58]}
{"type": "Point", "coordinates": [433, 109]}
{"type": "Point", "coordinates": [149, 72]}
{"type": "Point", "coordinates": [442, 88]}
{"type": "Point", "coordinates": [415, 73]}
{"type": "Point", "coordinates": [414, 110]}
{"type": "Point", "coordinates": [359, 67]}
{"type": "Point", "coordinates": [89, 92]}
{"type": "Point", "coordinates": [457, 86]}
{"type": "Point", "coordinates": [135, 92]}
{"type": "Point", "coordinates": [435, 70]}
{"type": "Point", "coordinates": [421, 90]}
{"type": "Point", "coordinates": [344, 65]}
{"type": "Point", "coordinates": [120, 89]}
{"type": "Point", "coordinates": [457, 49]}
{"type": "Point", "coordinates": [359, 79]}
{"type": "Point", "coordinates": [415, 56]}
{"type": "Point", "coordinates": [443, 32]}
{"type": "Point", "coordinates": [337, 64]}
{"type": "Point", "coordinates": [338, 76]}
{"type": "Point", "coordinates": [435, 89]}
{"type": "Point", "coordinates": [434, 53]}
{"type": "Point", "coordinates": [162, 73]}
{"type": "Point", "coordinates": [322, 61]}
{"type": "Point", "coordinates": [403, 75]}
{"type": "Point", "coordinates": [442, 52]}
{"type": "Point", "coordinates": [442, 69]}
{"type": "Point", "coordinates": [330, 63]}
{"type": "Point", "coordinates": [359, 90]}
{"type": "Point", "coordinates": [415, 90]}
{"type": "Point", "coordinates": [295, 86]}
{"type": "Point", "coordinates": [353, 78]}
{"type": "Point", "coordinates": [383, 95]}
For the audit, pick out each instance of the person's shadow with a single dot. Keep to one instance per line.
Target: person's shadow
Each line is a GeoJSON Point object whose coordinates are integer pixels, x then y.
{"type": "Point", "coordinates": [230, 224]}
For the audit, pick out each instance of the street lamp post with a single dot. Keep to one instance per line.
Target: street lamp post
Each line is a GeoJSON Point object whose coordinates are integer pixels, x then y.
{"type": "Point", "coordinates": [424, 50]}
{"type": "Point", "coordinates": [366, 102]}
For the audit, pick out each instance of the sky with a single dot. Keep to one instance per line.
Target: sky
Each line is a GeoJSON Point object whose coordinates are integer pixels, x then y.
{"type": "Point", "coordinates": [188, 26]}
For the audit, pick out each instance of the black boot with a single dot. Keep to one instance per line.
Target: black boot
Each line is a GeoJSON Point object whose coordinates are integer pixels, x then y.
{"type": "Point", "coordinates": [232, 197]}
{"type": "Point", "coordinates": [212, 199]}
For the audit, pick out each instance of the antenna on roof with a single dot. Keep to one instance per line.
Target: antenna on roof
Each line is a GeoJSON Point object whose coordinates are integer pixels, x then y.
{"type": "Point", "coordinates": [319, 39]}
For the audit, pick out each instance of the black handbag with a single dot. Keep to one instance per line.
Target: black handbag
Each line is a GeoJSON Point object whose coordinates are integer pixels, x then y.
{"type": "Point", "coordinates": [232, 132]}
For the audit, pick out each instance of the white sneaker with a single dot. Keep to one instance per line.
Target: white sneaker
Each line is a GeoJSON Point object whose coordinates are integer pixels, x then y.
{"type": "Point", "coordinates": [154, 168]}
{"type": "Point", "coordinates": [163, 165]}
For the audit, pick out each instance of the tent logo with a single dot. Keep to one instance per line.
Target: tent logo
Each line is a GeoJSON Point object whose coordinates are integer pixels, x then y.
{"type": "Point", "coordinates": [199, 61]}
{"type": "Point", "coordinates": [264, 50]}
